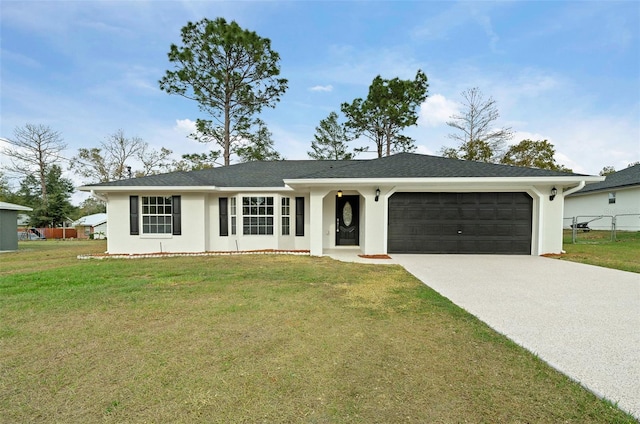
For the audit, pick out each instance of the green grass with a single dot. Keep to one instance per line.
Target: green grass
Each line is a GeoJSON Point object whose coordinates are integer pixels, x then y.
{"type": "Point", "coordinates": [264, 338]}
{"type": "Point", "coordinates": [597, 248]}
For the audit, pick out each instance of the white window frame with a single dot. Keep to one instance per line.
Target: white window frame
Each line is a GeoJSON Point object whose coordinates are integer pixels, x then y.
{"type": "Point", "coordinates": [156, 215]}
{"type": "Point", "coordinates": [286, 216]}
{"type": "Point", "coordinates": [233, 214]}
{"type": "Point", "coordinates": [258, 215]}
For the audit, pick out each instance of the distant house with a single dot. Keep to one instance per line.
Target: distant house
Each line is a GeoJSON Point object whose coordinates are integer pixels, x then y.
{"type": "Point", "coordinates": [618, 195]}
{"type": "Point", "coordinates": [91, 226]}
{"type": "Point", "coordinates": [23, 220]}
{"type": "Point", "coordinates": [9, 225]}
{"type": "Point", "coordinates": [405, 203]}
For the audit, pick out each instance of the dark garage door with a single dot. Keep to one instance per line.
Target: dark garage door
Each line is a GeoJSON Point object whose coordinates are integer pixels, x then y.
{"type": "Point", "coordinates": [484, 223]}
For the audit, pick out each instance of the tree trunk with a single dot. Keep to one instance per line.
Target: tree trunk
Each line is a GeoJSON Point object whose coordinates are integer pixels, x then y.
{"type": "Point", "coordinates": [227, 136]}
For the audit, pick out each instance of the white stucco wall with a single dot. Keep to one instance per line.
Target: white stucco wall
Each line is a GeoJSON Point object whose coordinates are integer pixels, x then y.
{"type": "Point", "coordinates": [275, 241]}
{"type": "Point", "coordinates": [192, 216]}
{"type": "Point", "coordinates": [591, 205]}
{"type": "Point", "coordinates": [201, 232]}
{"type": "Point", "coordinates": [201, 226]}
{"type": "Point", "coordinates": [547, 221]}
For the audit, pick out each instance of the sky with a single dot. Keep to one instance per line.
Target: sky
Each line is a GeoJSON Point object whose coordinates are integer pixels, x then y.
{"type": "Point", "coordinates": [566, 72]}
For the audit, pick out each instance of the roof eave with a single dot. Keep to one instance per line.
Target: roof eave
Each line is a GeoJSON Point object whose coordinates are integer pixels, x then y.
{"type": "Point", "coordinates": [189, 189]}
{"type": "Point", "coordinates": [443, 180]}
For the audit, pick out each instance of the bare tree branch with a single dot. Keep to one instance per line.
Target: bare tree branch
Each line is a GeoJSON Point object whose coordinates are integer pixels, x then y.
{"type": "Point", "coordinates": [478, 138]}
{"type": "Point", "coordinates": [33, 150]}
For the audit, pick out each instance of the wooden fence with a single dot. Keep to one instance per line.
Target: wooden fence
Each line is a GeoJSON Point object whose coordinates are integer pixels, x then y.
{"type": "Point", "coordinates": [54, 233]}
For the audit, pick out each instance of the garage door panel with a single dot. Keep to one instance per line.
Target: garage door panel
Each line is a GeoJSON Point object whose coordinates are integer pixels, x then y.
{"type": "Point", "coordinates": [460, 223]}
{"type": "Point", "coordinates": [522, 231]}
{"type": "Point", "coordinates": [486, 214]}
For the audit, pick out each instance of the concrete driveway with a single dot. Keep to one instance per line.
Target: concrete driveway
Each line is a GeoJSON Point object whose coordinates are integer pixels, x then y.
{"type": "Point", "coordinates": [582, 320]}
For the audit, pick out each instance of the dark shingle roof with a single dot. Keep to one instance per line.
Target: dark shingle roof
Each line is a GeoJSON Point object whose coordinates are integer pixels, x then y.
{"type": "Point", "coordinates": [625, 178]}
{"type": "Point", "coordinates": [411, 165]}
{"type": "Point", "coordinates": [272, 174]}
{"type": "Point", "coordinates": [250, 174]}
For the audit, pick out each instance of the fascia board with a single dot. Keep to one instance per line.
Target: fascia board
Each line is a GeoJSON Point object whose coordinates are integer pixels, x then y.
{"type": "Point", "coordinates": [254, 189]}
{"type": "Point", "coordinates": [354, 182]}
{"type": "Point", "coordinates": [120, 189]}
{"type": "Point", "coordinates": [191, 189]}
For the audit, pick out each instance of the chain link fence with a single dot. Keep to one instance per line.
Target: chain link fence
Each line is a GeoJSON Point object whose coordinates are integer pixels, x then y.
{"type": "Point", "coordinates": [599, 228]}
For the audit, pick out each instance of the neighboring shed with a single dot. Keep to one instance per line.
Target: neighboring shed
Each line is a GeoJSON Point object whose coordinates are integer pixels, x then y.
{"type": "Point", "coordinates": [9, 225]}
{"type": "Point", "coordinates": [89, 225]}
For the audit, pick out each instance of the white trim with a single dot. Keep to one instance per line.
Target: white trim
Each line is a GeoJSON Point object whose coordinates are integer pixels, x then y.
{"type": "Point", "coordinates": [574, 189]}
{"type": "Point", "coordinates": [420, 183]}
{"type": "Point", "coordinates": [196, 189]}
{"type": "Point", "coordinates": [441, 181]}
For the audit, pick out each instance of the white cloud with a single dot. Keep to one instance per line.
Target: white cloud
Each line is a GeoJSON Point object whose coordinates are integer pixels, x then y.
{"type": "Point", "coordinates": [185, 126]}
{"type": "Point", "coordinates": [594, 142]}
{"type": "Point", "coordinates": [322, 88]}
{"type": "Point", "coordinates": [485, 23]}
{"type": "Point", "coordinates": [436, 111]}
{"type": "Point", "coordinates": [424, 150]}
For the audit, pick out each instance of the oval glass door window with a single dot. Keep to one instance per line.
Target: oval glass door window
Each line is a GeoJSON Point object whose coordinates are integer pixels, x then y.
{"type": "Point", "coordinates": [347, 214]}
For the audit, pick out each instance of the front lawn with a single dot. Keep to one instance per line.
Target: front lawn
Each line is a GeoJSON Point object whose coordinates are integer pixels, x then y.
{"type": "Point", "coordinates": [597, 248]}
{"type": "Point", "coordinates": [256, 338]}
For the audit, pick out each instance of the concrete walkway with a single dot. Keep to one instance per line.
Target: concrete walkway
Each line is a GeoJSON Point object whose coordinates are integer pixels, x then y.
{"type": "Point", "coordinates": [582, 320]}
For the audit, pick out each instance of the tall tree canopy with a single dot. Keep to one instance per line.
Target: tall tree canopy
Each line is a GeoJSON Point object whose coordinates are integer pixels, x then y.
{"type": "Point", "coordinates": [231, 72]}
{"type": "Point", "coordinates": [330, 140]}
{"type": "Point", "coordinates": [533, 154]}
{"type": "Point", "coordinates": [607, 170]}
{"type": "Point", "coordinates": [389, 108]}
{"type": "Point", "coordinates": [114, 159]}
{"type": "Point", "coordinates": [196, 161]}
{"type": "Point", "coordinates": [57, 208]}
{"type": "Point", "coordinates": [34, 149]}
{"type": "Point", "coordinates": [477, 137]}
{"type": "Point", "coordinates": [259, 146]}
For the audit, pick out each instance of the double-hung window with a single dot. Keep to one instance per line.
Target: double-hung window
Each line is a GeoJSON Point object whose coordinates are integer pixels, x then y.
{"type": "Point", "coordinates": [157, 215]}
{"type": "Point", "coordinates": [286, 216]}
{"type": "Point", "coordinates": [233, 213]}
{"type": "Point", "coordinates": [257, 215]}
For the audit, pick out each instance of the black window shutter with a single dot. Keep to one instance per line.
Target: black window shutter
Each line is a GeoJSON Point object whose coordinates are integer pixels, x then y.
{"type": "Point", "coordinates": [176, 216]}
{"type": "Point", "coordinates": [224, 216]}
{"type": "Point", "coordinates": [299, 216]}
{"type": "Point", "coordinates": [134, 222]}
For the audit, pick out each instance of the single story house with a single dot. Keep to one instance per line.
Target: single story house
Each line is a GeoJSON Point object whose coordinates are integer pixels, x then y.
{"type": "Point", "coordinates": [91, 226]}
{"type": "Point", "coordinates": [405, 203]}
{"type": "Point", "coordinates": [617, 196]}
{"type": "Point", "coordinates": [9, 225]}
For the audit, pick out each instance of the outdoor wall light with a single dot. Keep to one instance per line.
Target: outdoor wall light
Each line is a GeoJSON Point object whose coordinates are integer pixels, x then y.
{"type": "Point", "coordinates": [377, 193]}
{"type": "Point", "coordinates": [339, 193]}
{"type": "Point", "coordinates": [554, 191]}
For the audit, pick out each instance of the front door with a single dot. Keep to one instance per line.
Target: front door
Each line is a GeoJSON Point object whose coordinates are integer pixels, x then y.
{"type": "Point", "coordinates": [347, 214]}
